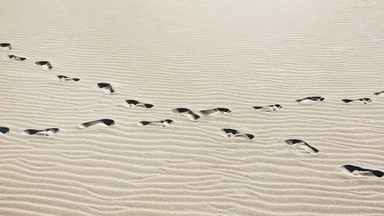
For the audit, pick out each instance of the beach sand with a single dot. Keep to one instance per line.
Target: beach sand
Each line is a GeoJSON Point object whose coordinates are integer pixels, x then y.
{"type": "Point", "coordinates": [198, 55]}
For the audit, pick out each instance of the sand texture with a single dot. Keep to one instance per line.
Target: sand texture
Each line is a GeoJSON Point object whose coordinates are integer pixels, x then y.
{"type": "Point", "coordinates": [106, 138]}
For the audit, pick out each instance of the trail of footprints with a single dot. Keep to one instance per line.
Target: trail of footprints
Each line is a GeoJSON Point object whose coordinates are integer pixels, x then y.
{"type": "Point", "coordinates": [227, 132]}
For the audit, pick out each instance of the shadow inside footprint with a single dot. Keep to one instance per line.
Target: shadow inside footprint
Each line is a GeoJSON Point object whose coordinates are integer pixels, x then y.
{"type": "Point", "coordinates": [45, 132]}
{"type": "Point", "coordinates": [355, 170]}
{"type": "Point", "coordinates": [107, 122]}
{"type": "Point", "coordinates": [310, 99]}
{"type": "Point", "coordinates": [228, 132]}
{"type": "Point", "coordinates": [162, 123]}
{"type": "Point", "coordinates": [218, 110]}
{"type": "Point", "coordinates": [17, 58]}
{"type": "Point", "coordinates": [65, 78]}
{"type": "Point", "coordinates": [4, 130]}
{"type": "Point", "coordinates": [302, 144]}
{"type": "Point", "coordinates": [106, 87]}
{"type": "Point", "coordinates": [186, 112]}
{"type": "Point", "coordinates": [361, 100]}
{"type": "Point", "coordinates": [5, 46]}
{"type": "Point", "coordinates": [44, 64]}
{"type": "Point", "coordinates": [135, 103]}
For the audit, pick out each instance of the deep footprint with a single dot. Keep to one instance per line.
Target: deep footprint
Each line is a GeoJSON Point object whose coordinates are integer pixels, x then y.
{"type": "Point", "coordinates": [106, 87]}
{"type": "Point", "coordinates": [186, 112]}
{"type": "Point", "coordinates": [162, 123]}
{"type": "Point", "coordinates": [45, 132]}
{"type": "Point", "coordinates": [218, 110]}
{"type": "Point", "coordinates": [5, 46]}
{"type": "Point", "coordinates": [135, 103]}
{"type": "Point", "coordinates": [107, 122]}
{"type": "Point", "coordinates": [269, 108]}
{"type": "Point", "coordinates": [4, 130]}
{"type": "Point", "coordinates": [310, 99]}
{"type": "Point", "coordinates": [16, 58]}
{"type": "Point", "coordinates": [65, 78]}
{"type": "Point", "coordinates": [235, 133]}
{"type": "Point", "coordinates": [358, 171]}
{"type": "Point", "coordinates": [378, 93]}
{"type": "Point", "coordinates": [360, 100]}
{"type": "Point", "coordinates": [303, 145]}
{"type": "Point", "coordinates": [46, 65]}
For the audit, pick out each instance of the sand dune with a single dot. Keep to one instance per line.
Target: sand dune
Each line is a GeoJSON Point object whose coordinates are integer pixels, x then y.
{"type": "Point", "coordinates": [200, 56]}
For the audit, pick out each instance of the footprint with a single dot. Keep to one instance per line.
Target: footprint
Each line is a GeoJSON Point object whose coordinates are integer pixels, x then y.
{"type": "Point", "coordinates": [65, 78]}
{"type": "Point", "coordinates": [310, 99]}
{"type": "Point", "coordinates": [107, 88]}
{"type": "Point", "coordinates": [5, 46]}
{"type": "Point", "coordinates": [235, 133]}
{"type": "Point", "coordinates": [16, 58]}
{"type": "Point", "coordinates": [303, 145]}
{"type": "Point", "coordinates": [4, 130]}
{"type": "Point", "coordinates": [162, 123]}
{"type": "Point", "coordinates": [360, 100]}
{"type": "Point", "coordinates": [186, 112]}
{"type": "Point", "coordinates": [46, 65]}
{"type": "Point", "coordinates": [45, 132]}
{"type": "Point", "coordinates": [135, 103]}
{"type": "Point", "coordinates": [218, 110]}
{"type": "Point", "coordinates": [378, 93]}
{"type": "Point", "coordinates": [358, 171]}
{"type": "Point", "coordinates": [269, 108]}
{"type": "Point", "coordinates": [107, 122]}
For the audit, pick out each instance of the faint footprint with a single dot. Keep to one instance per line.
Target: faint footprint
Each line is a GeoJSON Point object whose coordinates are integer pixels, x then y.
{"type": "Point", "coordinates": [302, 144]}
{"type": "Point", "coordinates": [4, 130]}
{"type": "Point", "coordinates": [45, 132]}
{"type": "Point", "coordinates": [16, 58]}
{"type": "Point", "coordinates": [310, 99]}
{"type": "Point", "coordinates": [107, 122]}
{"type": "Point", "coordinates": [46, 65]}
{"type": "Point", "coordinates": [218, 110]}
{"type": "Point", "coordinates": [65, 78]}
{"type": "Point", "coordinates": [135, 103]}
{"type": "Point", "coordinates": [235, 133]}
{"type": "Point", "coordinates": [378, 93]}
{"type": "Point", "coordinates": [269, 108]}
{"type": "Point", "coordinates": [5, 46]}
{"type": "Point", "coordinates": [106, 87]}
{"type": "Point", "coordinates": [358, 171]}
{"type": "Point", "coordinates": [360, 100]}
{"type": "Point", "coordinates": [186, 112]}
{"type": "Point", "coordinates": [162, 123]}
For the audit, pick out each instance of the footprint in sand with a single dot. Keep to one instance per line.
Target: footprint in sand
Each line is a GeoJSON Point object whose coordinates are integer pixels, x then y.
{"type": "Point", "coordinates": [45, 132]}
{"type": "Point", "coordinates": [46, 65]}
{"type": "Point", "coordinates": [4, 130]}
{"type": "Point", "coordinates": [106, 87]}
{"type": "Point", "coordinates": [16, 58]}
{"type": "Point", "coordinates": [302, 145]}
{"type": "Point", "coordinates": [358, 171]}
{"type": "Point", "coordinates": [5, 46]}
{"type": "Point", "coordinates": [65, 78]}
{"type": "Point", "coordinates": [269, 108]}
{"type": "Point", "coordinates": [310, 99]}
{"type": "Point", "coordinates": [162, 123]}
{"type": "Point", "coordinates": [235, 133]}
{"type": "Point", "coordinates": [186, 112]}
{"type": "Point", "coordinates": [106, 122]}
{"type": "Point", "coordinates": [378, 93]}
{"type": "Point", "coordinates": [135, 103]}
{"type": "Point", "coordinates": [218, 110]}
{"type": "Point", "coordinates": [360, 100]}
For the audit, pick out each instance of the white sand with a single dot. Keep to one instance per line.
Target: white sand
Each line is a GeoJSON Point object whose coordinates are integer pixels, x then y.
{"type": "Point", "coordinates": [198, 55]}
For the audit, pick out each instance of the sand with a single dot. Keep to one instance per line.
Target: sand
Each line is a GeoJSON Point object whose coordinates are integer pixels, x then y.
{"type": "Point", "coordinates": [197, 55]}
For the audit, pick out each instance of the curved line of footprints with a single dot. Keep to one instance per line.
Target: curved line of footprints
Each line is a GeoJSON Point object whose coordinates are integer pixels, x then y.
{"type": "Point", "coordinates": [228, 132]}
